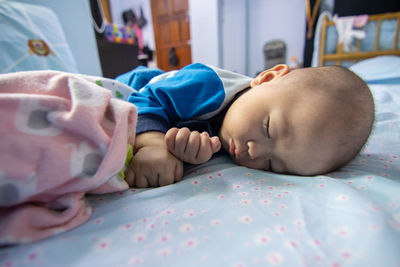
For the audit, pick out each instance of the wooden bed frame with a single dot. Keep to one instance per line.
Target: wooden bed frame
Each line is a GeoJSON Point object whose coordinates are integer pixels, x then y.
{"type": "Point", "coordinates": [357, 55]}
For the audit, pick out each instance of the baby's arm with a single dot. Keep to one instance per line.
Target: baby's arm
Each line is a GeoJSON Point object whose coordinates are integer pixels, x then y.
{"type": "Point", "coordinates": [191, 146]}
{"type": "Point", "coordinates": [153, 165]}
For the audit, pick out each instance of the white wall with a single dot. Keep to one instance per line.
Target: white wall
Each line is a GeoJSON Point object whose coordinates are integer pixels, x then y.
{"type": "Point", "coordinates": [75, 18]}
{"type": "Point", "coordinates": [275, 19]}
{"type": "Point", "coordinates": [231, 33]}
{"type": "Point", "coordinates": [234, 44]}
{"type": "Point", "coordinates": [204, 31]}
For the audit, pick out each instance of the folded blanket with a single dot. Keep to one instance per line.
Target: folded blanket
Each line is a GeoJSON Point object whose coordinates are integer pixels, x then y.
{"type": "Point", "coordinates": [61, 136]}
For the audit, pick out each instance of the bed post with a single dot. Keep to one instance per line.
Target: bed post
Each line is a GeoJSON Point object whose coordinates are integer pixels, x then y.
{"type": "Point", "coordinates": [322, 42]}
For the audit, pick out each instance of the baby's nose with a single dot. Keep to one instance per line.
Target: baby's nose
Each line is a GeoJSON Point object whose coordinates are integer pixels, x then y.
{"type": "Point", "coordinates": [255, 150]}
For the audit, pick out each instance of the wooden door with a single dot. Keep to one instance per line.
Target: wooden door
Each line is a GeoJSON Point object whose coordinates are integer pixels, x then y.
{"type": "Point", "coordinates": [172, 33]}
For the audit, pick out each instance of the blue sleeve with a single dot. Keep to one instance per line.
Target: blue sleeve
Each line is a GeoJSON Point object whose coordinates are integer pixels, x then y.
{"type": "Point", "coordinates": [138, 77]}
{"type": "Point", "coordinates": [193, 91]}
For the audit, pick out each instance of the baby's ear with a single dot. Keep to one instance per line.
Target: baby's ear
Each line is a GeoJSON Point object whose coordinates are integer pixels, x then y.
{"type": "Point", "coordinates": [270, 74]}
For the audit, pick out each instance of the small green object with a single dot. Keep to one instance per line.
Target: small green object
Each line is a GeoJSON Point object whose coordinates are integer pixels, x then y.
{"type": "Point", "coordinates": [128, 159]}
{"type": "Point", "coordinates": [98, 82]}
{"type": "Point", "coordinates": [118, 94]}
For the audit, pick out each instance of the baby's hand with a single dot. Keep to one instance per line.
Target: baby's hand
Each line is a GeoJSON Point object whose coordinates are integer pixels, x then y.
{"type": "Point", "coordinates": [153, 166]}
{"type": "Point", "coordinates": [191, 146]}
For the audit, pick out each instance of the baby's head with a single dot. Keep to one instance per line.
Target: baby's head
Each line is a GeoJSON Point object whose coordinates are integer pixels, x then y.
{"type": "Point", "coordinates": [306, 121]}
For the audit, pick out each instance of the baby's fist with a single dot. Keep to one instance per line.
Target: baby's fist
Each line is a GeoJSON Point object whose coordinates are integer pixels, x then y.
{"type": "Point", "coordinates": [191, 146]}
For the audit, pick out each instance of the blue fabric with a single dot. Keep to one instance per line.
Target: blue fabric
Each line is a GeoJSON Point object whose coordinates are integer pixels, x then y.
{"type": "Point", "coordinates": [32, 39]}
{"type": "Point", "coordinates": [138, 77]}
{"type": "Point", "coordinates": [222, 214]}
{"type": "Point", "coordinates": [192, 91]}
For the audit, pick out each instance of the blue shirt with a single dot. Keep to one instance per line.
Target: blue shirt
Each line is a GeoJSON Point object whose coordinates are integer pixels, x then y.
{"type": "Point", "coordinates": [196, 92]}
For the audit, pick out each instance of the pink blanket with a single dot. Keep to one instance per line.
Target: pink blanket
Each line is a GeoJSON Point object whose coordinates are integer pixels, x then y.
{"type": "Point", "coordinates": [61, 136]}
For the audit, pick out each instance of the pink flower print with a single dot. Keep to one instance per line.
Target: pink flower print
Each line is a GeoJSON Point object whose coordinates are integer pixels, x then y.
{"type": "Point", "coordinates": [344, 232]}
{"type": "Point", "coordinates": [279, 195]}
{"type": "Point", "coordinates": [275, 258]}
{"type": "Point", "coordinates": [322, 185]}
{"type": "Point", "coordinates": [216, 222]}
{"type": "Point", "coordinates": [317, 242]}
{"type": "Point", "coordinates": [102, 244]}
{"type": "Point", "coordinates": [291, 244]}
{"type": "Point", "coordinates": [276, 213]}
{"type": "Point", "coordinates": [280, 229]}
{"type": "Point", "coordinates": [299, 223]}
{"type": "Point", "coordinates": [164, 252]}
{"type": "Point", "coordinates": [168, 212]}
{"type": "Point", "coordinates": [196, 182]}
{"type": "Point", "coordinates": [135, 261]}
{"type": "Point", "coordinates": [243, 194]}
{"type": "Point", "coordinates": [261, 239]}
{"type": "Point", "coordinates": [164, 238]}
{"type": "Point", "coordinates": [245, 219]}
{"type": "Point", "coordinates": [221, 197]}
{"type": "Point", "coordinates": [32, 256]}
{"type": "Point", "coordinates": [126, 226]}
{"type": "Point", "coordinates": [249, 174]}
{"type": "Point", "coordinates": [189, 214]}
{"type": "Point", "coordinates": [186, 228]}
{"type": "Point", "coordinates": [138, 238]}
{"type": "Point", "coordinates": [265, 201]}
{"type": "Point", "coordinates": [271, 188]}
{"type": "Point", "coordinates": [219, 174]}
{"type": "Point", "coordinates": [210, 177]}
{"type": "Point", "coordinates": [245, 201]}
{"type": "Point", "coordinates": [236, 186]}
{"type": "Point", "coordinates": [255, 189]}
{"type": "Point", "coordinates": [342, 197]}
{"type": "Point", "coordinates": [346, 255]}
{"type": "Point", "coordinates": [395, 225]}
{"type": "Point", "coordinates": [374, 227]}
{"type": "Point", "coordinates": [283, 206]}
{"type": "Point", "coordinates": [190, 243]}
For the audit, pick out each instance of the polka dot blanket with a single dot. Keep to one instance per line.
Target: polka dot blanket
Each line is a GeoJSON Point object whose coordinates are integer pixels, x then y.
{"type": "Point", "coordinates": [62, 135]}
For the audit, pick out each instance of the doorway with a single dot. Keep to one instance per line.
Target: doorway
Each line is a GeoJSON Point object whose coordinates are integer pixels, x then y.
{"type": "Point", "coordinates": [171, 33]}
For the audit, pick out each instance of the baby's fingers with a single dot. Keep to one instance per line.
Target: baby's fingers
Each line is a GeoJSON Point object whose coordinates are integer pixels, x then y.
{"type": "Point", "coordinates": [205, 152]}
{"type": "Point", "coordinates": [215, 144]}
{"type": "Point", "coordinates": [169, 139]}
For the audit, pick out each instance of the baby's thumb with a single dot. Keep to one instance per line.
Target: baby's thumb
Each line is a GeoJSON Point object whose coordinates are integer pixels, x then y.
{"type": "Point", "coordinates": [215, 144]}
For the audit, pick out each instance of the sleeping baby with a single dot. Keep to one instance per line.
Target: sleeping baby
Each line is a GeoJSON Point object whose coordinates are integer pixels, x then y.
{"type": "Point", "coordinates": [305, 121]}
{"type": "Point", "coordinates": [63, 135]}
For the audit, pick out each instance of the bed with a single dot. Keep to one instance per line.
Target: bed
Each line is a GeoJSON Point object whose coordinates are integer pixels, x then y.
{"type": "Point", "coordinates": [222, 214]}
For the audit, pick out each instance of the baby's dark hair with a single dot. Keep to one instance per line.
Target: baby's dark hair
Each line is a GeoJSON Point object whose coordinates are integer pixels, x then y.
{"type": "Point", "coordinates": [352, 107]}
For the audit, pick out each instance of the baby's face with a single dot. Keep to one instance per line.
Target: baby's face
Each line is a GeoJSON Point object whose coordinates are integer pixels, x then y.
{"type": "Point", "coordinates": [279, 128]}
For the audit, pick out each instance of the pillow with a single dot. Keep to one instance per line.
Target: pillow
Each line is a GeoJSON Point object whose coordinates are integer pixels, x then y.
{"type": "Point", "coordinates": [383, 69]}
{"type": "Point", "coordinates": [32, 39]}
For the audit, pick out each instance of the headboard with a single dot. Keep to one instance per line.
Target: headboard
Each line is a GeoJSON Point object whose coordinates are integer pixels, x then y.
{"type": "Point", "coordinates": [382, 38]}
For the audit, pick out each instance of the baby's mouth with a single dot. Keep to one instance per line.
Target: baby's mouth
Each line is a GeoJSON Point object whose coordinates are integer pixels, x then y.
{"type": "Point", "coordinates": [232, 148]}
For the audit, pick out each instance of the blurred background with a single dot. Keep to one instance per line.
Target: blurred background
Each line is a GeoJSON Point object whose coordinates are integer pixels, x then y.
{"type": "Point", "coordinates": [110, 37]}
